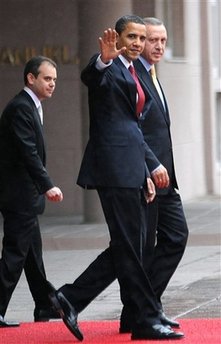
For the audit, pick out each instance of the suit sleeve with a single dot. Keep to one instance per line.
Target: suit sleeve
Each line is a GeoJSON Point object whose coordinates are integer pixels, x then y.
{"type": "Point", "coordinates": [90, 73]}
{"type": "Point", "coordinates": [150, 158]}
{"type": "Point", "coordinates": [28, 140]}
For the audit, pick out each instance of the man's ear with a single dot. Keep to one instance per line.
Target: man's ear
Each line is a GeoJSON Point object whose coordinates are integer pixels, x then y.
{"type": "Point", "coordinates": [117, 38]}
{"type": "Point", "coordinates": [30, 78]}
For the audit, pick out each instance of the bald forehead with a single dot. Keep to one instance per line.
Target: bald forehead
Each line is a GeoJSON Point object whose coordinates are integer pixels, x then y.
{"type": "Point", "coordinates": [156, 30]}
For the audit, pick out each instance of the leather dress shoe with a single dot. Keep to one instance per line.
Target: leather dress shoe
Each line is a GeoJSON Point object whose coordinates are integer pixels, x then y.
{"type": "Point", "coordinates": [67, 313]}
{"type": "Point", "coordinates": [45, 314]}
{"type": "Point", "coordinates": [156, 331]}
{"type": "Point", "coordinates": [4, 323]}
{"type": "Point", "coordinates": [127, 319]}
{"type": "Point", "coordinates": [167, 321]}
{"type": "Point", "coordinates": [126, 328]}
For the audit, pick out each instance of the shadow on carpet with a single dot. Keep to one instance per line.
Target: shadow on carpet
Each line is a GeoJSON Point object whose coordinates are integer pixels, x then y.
{"type": "Point", "coordinates": [197, 331]}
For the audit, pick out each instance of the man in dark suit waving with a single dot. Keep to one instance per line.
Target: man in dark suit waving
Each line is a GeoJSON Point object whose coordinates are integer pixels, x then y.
{"type": "Point", "coordinates": [24, 183]}
{"type": "Point", "coordinates": [114, 164]}
{"type": "Point", "coordinates": [166, 211]}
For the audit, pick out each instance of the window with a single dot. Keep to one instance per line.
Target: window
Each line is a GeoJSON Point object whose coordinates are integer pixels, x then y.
{"type": "Point", "coordinates": [174, 23]}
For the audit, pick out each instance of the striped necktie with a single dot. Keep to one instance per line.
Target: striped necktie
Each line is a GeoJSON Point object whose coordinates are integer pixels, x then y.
{"type": "Point", "coordinates": [156, 84]}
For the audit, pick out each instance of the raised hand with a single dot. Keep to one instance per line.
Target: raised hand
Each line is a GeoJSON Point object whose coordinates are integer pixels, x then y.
{"type": "Point", "coordinates": [108, 47]}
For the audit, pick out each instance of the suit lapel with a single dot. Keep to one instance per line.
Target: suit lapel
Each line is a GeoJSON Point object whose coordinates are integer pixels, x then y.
{"type": "Point", "coordinates": [146, 78]}
{"type": "Point", "coordinates": [35, 110]}
{"type": "Point", "coordinates": [35, 116]}
{"type": "Point", "coordinates": [129, 78]}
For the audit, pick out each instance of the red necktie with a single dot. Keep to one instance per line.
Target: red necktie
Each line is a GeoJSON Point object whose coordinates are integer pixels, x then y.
{"type": "Point", "coordinates": [140, 92]}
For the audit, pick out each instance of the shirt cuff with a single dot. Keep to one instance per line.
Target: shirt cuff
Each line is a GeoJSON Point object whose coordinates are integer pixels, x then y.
{"type": "Point", "coordinates": [157, 168]}
{"type": "Point", "coordinates": [101, 65]}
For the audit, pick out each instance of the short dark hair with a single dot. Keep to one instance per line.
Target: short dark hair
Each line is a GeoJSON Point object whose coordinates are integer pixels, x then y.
{"type": "Point", "coordinates": [152, 21]}
{"type": "Point", "coordinates": [32, 66]}
{"type": "Point", "coordinates": [123, 21]}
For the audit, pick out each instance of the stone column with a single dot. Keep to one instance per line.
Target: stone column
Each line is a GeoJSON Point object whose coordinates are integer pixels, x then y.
{"type": "Point", "coordinates": [93, 18]}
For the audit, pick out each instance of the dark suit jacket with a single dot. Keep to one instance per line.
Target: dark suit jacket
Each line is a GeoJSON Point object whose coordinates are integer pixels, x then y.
{"type": "Point", "coordinates": [155, 125]}
{"type": "Point", "coordinates": [115, 153]}
{"type": "Point", "coordinates": [23, 177]}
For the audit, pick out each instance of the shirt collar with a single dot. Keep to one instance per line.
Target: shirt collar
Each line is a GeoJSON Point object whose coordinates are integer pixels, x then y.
{"type": "Point", "coordinates": [145, 63]}
{"type": "Point", "coordinates": [124, 61]}
{"type": "Point", "coordinates": [33, 96]}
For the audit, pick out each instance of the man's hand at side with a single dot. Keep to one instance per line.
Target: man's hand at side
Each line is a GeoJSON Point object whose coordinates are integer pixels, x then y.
{"type": "Point", "coordinates": [151, 191]}
{"type": "Point", "coordinates": [54, 194]}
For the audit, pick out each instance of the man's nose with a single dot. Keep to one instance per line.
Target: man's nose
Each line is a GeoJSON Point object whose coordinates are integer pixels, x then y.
{"type": "Point", "coordinates": [138, 41]}
{"type": "Point", "coordinates": [52, 83]}
{"type": "Point", "coordinates": [159, 45]}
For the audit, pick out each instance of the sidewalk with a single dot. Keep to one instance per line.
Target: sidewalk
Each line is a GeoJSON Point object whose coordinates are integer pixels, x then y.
{"type": "Point", "coordinates": [193, 292]}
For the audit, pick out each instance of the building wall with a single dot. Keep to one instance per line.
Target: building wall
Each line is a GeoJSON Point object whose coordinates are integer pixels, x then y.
{"type": "Point", "coordinates": [48, 28]}
{"type": "Point", "coordinates": [181, 78]}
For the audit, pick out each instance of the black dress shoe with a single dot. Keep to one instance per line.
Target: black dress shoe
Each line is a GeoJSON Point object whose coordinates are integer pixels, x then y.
{"type": "Point", "coordinates": [45, 314]}
{"type": "Point", "coordinates": [167, 321]}
{"type": "Point", "coordinates": [4, 323]}
{"type": "Point", "coordinates": [127, 318]}
{"type": "Point", "coordinates": [156, 332]}
{"type": "Point", "coordinates": [67, 313]}
{"type": "Point", "coordinates": [124, 328]}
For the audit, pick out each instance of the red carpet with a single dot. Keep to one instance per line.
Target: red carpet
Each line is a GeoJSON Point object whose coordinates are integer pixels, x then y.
{"type": "Point", "coordinates": [197, 331]}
